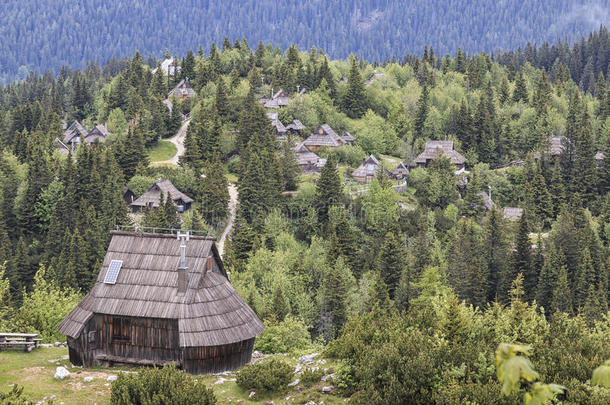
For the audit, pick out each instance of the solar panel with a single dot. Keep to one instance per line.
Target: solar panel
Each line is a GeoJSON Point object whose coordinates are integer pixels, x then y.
{"type": "Point", "coordinates": [113, 271]}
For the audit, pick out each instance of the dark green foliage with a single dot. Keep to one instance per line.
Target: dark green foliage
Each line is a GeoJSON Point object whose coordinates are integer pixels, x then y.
{"type": "Point", "coordinates": [160, 386]}
{"type": "Point", "coordinates": [214, 193]}
{"type": "Point", "coordinates": [310, 376]}
{"type": "Point", "coordinates": [328, 190]}
{"type": "Point", "coordinates": [391, 262]}
{"type": "Point", "coordinates": [266, 376]}
{"type": "Point", "coordinates": [354, 101]}
{"type": "Point", "coordinates": [422, 113]}
{"type": "Point", "coordinates": [520, 92]}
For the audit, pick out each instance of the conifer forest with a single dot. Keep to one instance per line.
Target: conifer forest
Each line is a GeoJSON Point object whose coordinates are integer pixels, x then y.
{"type": "Point", "coordinates": [436, 226]}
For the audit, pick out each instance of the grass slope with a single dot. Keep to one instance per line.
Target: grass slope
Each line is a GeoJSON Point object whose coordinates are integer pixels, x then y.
{"type": "Point", "coordinates": [163, 150]}
{"type": "Point", "coordinates": [35, 370]}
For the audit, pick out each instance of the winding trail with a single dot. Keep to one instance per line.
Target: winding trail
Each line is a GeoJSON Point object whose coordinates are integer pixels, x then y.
{"type": "Point", "coordinates": [232, 206]}
{"type": "Point", "coordinates": [177, 140]}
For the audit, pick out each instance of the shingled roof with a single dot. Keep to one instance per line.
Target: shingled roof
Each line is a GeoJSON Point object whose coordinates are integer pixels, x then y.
{"type": "Point", "coordinates": [210, 313]}
{"type": "Point", "coordinates": [153, 194]}
{"type": "Point", "coordinates": [183, 89]}
{"type": "Point", "coordinates": [444, 147]}
{"type": "Point", "coordinates": [368, 168]}
{"type": "Point", "coordinates": [306, 158]}
{"type": "Point", "coordinates": [73, 131]}
{"type": "Point", "coordinates": [324, 136]}
{"type": "Point", "coordinates": [279, 99]}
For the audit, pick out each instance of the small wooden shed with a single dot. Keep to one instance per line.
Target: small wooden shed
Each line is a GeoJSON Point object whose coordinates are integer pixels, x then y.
{"type": "Point", "coordinates": [152, 197]}
{"type": "Point", "coordinates": [160, 300]}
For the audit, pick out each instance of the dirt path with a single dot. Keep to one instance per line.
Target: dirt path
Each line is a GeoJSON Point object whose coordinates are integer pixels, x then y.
{"type": "Point", "coordinates": [177, 140]}
{"type": "Point", "coordinates": [232, 206]}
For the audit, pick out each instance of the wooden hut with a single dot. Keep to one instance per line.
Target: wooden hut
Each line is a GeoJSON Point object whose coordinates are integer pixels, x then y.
{"type": "Point", "coordinates": [279, 100]}
{"type": "Point", "coordinates": [74, 134]}
{"type": "Point", "coordinates": [307, 160]}
{"type": "Point", "coordinates": [367, 170]}
{"type": "Point", "coordinates": [325, 136]}
{"type": "Point", "coordinates": [400, 171]}
{"type": "Point", "coordinates": [182, 90]}
{"type": "Point", "coordinates": [99, 133]}
{"type": "Point", "coordinates": [152, 197]}
{"type": "Point", "coordinates": [161, 300]}
{"type": "Point", "coordinates": [435, 149]}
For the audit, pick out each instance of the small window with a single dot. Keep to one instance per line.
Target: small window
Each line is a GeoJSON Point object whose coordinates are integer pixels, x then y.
{"type": "Point", "coordinates": [92, 337]}
{"type": "Point", "coordinates": [121, 329]}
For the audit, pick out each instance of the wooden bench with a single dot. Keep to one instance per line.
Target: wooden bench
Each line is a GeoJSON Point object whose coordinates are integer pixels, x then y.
{"type": "Point", "coordinates": [26, 340]}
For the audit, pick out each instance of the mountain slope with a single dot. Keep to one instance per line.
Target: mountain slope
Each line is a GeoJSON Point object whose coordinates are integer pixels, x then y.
{"type": "Point", "coordinates": [43, 34]}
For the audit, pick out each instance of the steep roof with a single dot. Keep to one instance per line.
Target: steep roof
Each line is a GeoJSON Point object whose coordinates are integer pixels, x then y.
{"type": "Point", "coordinates": [153, 194]}
{"type": "Point", "coordinates": [348, 138]}
{"type": "Point", "coordinates": [99, 132]}
{"type": "Point", "coordinates": [296, 125]}
{"type": "Point", "coordinates": [168, 66]}
{"type": "Point", "coordinates": [277, 124]}
{"type": "Point", "coordinates": [304, 155]}
{"type": "Point", "coordinates": [182, 89]}
{"type": "Point", "coordinates": [279, 99]}
{"type": "Point", "coordinates": [368, 168]}
{"type": "Point", "coordinates": [400, 168]}
{"type": "Point", "coordinates": [209, 313]}
{"type": "Point", "coordinates": [444, 147]}
{"type": "Point", "coordinates": [324, 136]}
{"type": "Point", "coordinates": [74, 130]}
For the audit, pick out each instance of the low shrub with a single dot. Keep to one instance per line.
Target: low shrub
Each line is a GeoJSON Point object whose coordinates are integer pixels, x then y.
{"type": "Point", "coordinates": [310, 376]}
{"type": "Point", "coordinates": [269, 376]}
{"type": "Point", "coordinates": [287, 336]}
{"type": "Point", "coordinates": [167, 385]}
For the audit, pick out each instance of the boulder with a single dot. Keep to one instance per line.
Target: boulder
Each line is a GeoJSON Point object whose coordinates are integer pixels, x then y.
{"type": "Point", "coordinates": [251, 394]}
{"type": "Point", "coordinates": [61, 373]}
{"type": "Point", "coordinates": [294, 383]}
{"type": "Point", "coordinates": [111, 378]}
{"type": "Point", "coordinates": [327, 389]}
{"type": "Point", "coordinates": [327, 377]}
{"type": "Point", "coordinates": [88, 379]}
{"type": "Point", "coordinates": [308, 358]}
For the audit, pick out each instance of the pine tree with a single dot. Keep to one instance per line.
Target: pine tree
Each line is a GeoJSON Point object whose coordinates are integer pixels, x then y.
{"type": "Point", "coordinates": [187, 70]}
{"type": "Point", "coordinates": [354, 102]}
{"type": "Point", "coordinates": [521, 258]}
{"type": "Point", "coordinates": [542, 93]}
{"type": "Point", "coordinates": [333, 300]}
{"type": "Point", "coordinates": [548, 278]}
{"type": "Point", "coordinates": [131, 152]}
{"type": "Point", "coordinates": [421, 114]}
{"type": "Point", "coordinates": [504, 92]}
{"type": "Point", "coordinates": [562, 299]}
{"type": "Point", "coordinates": [329, 190]}
{"type": "Point", "coordinates": [520, 92]}
{"type": "Point", "coordinates": [288, 165]}
{"type": "Point", "coordinates": [585, 278]}
{"type": "Point", "coordinates": [221, 101]}
{"type": "Point", "coordinates": [214, 193]}
{"type": "Point", "coordinates": [279, 305]}
{"type": "Point", "coordinates": [241, 243]}
{"type": "Point", "coordinates": [473, 203]}
{"type": "Point", "coordinates": [495, 254]}
{"type": "Point", "coordinates": [391, 263]}
{"type": "Point", "coordinates": [464, 127]}
{"type": "Point", "coordinates": [585, 174]}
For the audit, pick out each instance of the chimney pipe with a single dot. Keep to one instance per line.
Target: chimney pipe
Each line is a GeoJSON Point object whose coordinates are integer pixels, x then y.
{"type": "Point", "coordinates": [182, 269]}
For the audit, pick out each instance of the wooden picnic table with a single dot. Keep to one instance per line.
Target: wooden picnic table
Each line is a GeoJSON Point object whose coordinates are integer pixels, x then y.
{"type": "Point", "coordinates": [27, 340]}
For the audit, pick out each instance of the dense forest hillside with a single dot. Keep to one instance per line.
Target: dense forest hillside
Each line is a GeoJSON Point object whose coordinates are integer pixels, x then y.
{"type": "Point", "coordinates": [406, 218]}
{"type": "Point", "coordinates": [40, 35]}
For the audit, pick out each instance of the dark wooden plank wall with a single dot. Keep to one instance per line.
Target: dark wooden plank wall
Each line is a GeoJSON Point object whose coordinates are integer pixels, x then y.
{"type": "Point", "coordinates": [152, 339]}
{"type": "Point", "coordinates": [215, 359]}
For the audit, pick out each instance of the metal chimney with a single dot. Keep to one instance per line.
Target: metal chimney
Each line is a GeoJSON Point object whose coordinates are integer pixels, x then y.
{"type": "Point", "coordinates": [182, 269]}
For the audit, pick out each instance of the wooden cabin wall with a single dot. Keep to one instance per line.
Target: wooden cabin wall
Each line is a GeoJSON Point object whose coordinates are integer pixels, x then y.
{"type": "Point", "coordinates": [82, 350]}
{"type": "Point", "coordinates": [150, 339]}
{"type": "Point", "coordinates": [215, 359]}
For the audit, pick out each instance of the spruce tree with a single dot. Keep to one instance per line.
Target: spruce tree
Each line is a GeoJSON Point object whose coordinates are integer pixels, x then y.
{"type": "Point", "coordinates": [354, 102]}
{"type": "Point", "coordinates": [562, 299]}
{"type": "Point", "coordinates": [288, 165]}
{"type": "Point", "coordinates": [333, 300]}
{"type": "Point", "coordinates": [391, 262]}
{"type": "Point", "coordinates": [520, 92]}
{"type": "Point", "coordinates": [329, 190]}
{"type": "Point", "coordinates": [585, 278]}
{"type": "Point", "coordinates": [521, 261]}
{"type": "Point", "coordinates": [214, 193]}
{"type": "Point", "coordinates": [585, 172]}
{"type": "Point", "coordinates": [495, 253]}
{"type": "Point", "coordinates": [221, 101]}
{"type": "Point", "coordinates": [421, 114]}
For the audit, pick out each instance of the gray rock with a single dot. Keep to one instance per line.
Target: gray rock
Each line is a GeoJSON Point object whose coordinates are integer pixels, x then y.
{"type": "Point", "coordinates": [294, 383]}
{"type": "Point", "coordinates": [251, 394]}
{"type": "Point", "coordinates": [61, 373]}
{"type": "Point", "coordinates": [298, 369]}
{"type": "Point", "coordinates": [327, 377]}
{"type": "Point", "coordinates": [88, 379]}
{"type": "Point", "coordinates": [57, 344]}
{"type": "Point", "coordinates": [310, 403]}
{"type": "Point", "coordinates": [111, 378]}
{"type": "Point", "coordinates": [327, 389]}
{"type": "Point", "coordinates": [308, 358]}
